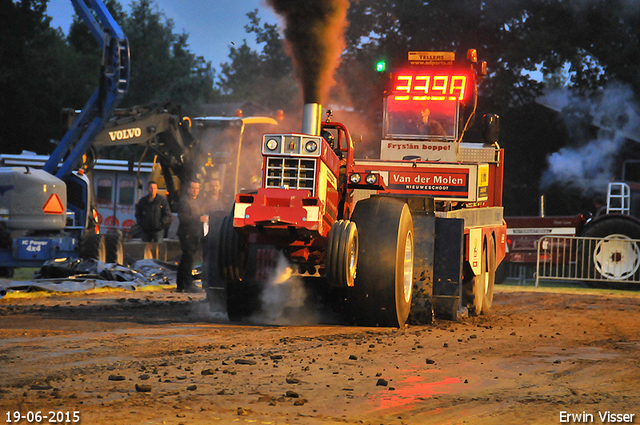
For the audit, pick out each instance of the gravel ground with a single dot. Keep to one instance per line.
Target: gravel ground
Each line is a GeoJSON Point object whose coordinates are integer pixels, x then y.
{"type": "Point", "coordinates": [157, 357]}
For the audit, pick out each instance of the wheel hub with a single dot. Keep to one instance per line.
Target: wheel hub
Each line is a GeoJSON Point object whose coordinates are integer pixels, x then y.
{"type": "Point", "coordinates": [616, 257]}
{"type": "Point", "coordinates": [408, 267]}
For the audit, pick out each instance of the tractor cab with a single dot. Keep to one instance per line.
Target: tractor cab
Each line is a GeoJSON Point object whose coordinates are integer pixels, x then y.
{"type": "Point", "coordinates": [425, 99]}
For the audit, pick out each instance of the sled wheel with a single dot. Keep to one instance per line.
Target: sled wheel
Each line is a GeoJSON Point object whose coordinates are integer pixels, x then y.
{"type": "Point", "coordinates": [490, 277]}
{"type": "Point", "coordinates": [501, 272]}
{"type": "Point", "coordinates": [479, 286]}
{"type": "Point", "coordinates": [384, 281]}
{"type": "Point", "coordinates": [615, 257]}
{"type": "Point", "coordinates": [93, 247]}
{"type": "Point", "coordinates": [113, 246]}
{"type": "Point", "coordinates": [342, 253]}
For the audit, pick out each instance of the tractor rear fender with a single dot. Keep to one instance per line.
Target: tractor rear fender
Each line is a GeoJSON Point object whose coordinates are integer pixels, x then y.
{"type": "Point", "coordinates": [594, 227]}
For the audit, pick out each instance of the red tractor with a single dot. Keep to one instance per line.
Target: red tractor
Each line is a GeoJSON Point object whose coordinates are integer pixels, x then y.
{"type": "Point", "coordinates": [418, 231]}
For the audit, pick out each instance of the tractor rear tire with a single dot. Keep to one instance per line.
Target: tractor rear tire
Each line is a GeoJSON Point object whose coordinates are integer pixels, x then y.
{"type": "Point", "coordinates": [243, 295]}
{"type": "Point", "coordinates": [114, 247]}
{"type": "Point", "coordinates": [342, 254]}
{"type": "Point", "coordinates": [383, 284]}
{"type": "Point", "coordinates": [93, 247]}
{"type": "Point", "coordinates": [602, 254]}
{"type": "Point", "coordinates": [231, 257]}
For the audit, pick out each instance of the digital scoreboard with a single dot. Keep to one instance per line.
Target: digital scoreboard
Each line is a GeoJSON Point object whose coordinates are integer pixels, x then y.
{"type": "Point", "coordinates": [433, 85]}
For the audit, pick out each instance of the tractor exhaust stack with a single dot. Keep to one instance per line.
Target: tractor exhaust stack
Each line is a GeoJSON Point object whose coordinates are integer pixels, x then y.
{"type": "Point", "coordinates": [311, 118]}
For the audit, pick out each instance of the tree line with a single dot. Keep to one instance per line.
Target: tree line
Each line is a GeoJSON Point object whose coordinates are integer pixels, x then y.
{"type": "Point", "coordinates": [531, 46]}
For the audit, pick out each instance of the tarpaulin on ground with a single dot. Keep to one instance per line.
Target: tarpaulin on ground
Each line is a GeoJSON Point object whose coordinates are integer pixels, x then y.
{"type": "Point", "coordinates": [82, 275]}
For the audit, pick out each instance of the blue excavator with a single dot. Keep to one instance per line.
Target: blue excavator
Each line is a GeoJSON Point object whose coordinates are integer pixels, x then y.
{"type": "Point", "coordinates": [48, 214]}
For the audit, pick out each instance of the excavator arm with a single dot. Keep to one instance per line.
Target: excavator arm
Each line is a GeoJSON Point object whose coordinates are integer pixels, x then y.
{"type": "Point", "coordinates": [114, 84]}
{"type": "Point", "coordinates": [158, 126]}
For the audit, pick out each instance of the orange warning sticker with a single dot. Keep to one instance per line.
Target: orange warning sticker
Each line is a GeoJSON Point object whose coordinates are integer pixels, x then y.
{"type": "Point", "coordinates": [53, 205]}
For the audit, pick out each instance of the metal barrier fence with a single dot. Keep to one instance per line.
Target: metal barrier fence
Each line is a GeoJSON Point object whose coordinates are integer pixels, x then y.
{"type": "Point", "coordinates": [521, 272]}
{"type": "Point", "coordinates": [615, 258]}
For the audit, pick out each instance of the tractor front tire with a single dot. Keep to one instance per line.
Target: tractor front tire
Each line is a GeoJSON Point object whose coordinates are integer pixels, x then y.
{"type": "Point", "coordinates": [342, 254]}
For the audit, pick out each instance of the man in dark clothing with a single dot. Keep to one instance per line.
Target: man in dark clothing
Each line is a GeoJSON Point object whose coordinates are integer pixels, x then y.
{"type": "Point", "coordinates": [191, 214]}
{"type": "Point", "coordinates": [153, 216]}
{"type": "Point", "coordinates": [215, 200]}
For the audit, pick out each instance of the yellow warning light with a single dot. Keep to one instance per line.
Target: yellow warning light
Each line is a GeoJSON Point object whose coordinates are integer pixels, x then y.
{"type": "Point", "coordinates": [472, 55]}
{"type": "Point", "coordinates": [239, 113]}
{"type": "Point", "coordinates": [280, 115]}
{"type": "Point", "coordinates": [53, 205]}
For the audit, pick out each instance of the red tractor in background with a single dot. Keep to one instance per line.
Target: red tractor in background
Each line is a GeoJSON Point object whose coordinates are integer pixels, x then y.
{"type": "Point", "coordinates": [417, 232]}
{"type": "Point", "coordinates": [610, 255]}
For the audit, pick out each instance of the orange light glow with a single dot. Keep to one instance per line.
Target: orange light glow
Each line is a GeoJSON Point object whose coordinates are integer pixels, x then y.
{"type": "Point", "coordinates": [411, 389]}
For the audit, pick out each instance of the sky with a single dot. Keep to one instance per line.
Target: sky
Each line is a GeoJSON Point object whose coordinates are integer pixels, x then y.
{"type": "Point", "coordinates": [212, 25]}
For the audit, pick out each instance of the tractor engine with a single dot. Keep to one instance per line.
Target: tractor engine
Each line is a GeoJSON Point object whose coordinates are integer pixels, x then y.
{"type": "Point", "coordinates": [298, 201]}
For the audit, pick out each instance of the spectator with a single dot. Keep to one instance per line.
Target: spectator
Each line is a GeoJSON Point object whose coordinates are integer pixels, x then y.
{"type": "Point", "coordinates": [215, 201]}
{"type": "Point", "coordinates": [191, 214]}
{"type": "Point", "coordinates": [153, 216]}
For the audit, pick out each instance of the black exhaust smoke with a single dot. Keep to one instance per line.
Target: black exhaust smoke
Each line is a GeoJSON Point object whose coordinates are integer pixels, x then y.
{"type": "Point", "coordinates": [315, 38]}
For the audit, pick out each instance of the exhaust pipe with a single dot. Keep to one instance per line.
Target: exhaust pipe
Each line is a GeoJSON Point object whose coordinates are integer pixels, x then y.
{"type": "Point", "coordinates": [311, 118]}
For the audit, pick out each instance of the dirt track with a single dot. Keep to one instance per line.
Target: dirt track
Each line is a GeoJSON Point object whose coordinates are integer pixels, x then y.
{"type": "Point", "coordinates": [156, 357]}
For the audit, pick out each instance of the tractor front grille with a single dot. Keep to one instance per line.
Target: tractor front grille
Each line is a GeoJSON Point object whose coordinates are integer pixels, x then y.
{"type": "Point", "coordinates": [291, 173]}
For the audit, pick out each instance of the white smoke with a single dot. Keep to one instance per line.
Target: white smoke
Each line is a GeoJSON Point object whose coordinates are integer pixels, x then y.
{"type": "Point", "coordinates": [284, 299]}
{"type": "Point", "coordinates": [587, 168]}
{"type": "Point", "coordinates": [589, 165]}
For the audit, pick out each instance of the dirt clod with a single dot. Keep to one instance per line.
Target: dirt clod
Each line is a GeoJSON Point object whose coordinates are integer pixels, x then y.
{"type": "Point", "coordinates": [143, 388]}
